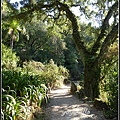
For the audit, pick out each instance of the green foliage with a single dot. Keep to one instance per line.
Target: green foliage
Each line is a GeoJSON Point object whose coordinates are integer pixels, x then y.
{"type": "Point", "coordinates": [33, 67]}
{"type": "Point", "coordinates": [89, 35]}
{"type": "Point", "coordinates": [109, 85]}
{"type": "Point", "coordinates": [12, 107]}
{"type": "Point", "coordinates": [9, 58]}
{"type": "Point", "coordinates": [44, 43]}
{"type": "Point", "coordinates": [72, 59]}
{"type": "Point", "coordinates": [19, 88]}
{"type": "Point", "coordinates": [27, 87]}
{"type": "Point", "coordinates": [50, 73]}
{"type": "Point", "coordinates": [55, 75]}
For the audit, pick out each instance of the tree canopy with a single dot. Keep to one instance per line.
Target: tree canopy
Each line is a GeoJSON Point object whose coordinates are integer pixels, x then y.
{"type": "Point", "coordinates": [59, 12]}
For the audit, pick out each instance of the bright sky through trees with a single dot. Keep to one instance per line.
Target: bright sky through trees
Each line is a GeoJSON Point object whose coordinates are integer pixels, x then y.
{"type": "Point", "coordinates": [76, 11]}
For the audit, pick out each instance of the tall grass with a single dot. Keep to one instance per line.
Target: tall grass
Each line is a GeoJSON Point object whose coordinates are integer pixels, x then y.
{"type": "Point", "coordinates": [16, 86]}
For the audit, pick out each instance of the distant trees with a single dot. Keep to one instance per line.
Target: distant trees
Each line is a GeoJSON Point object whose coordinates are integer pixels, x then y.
{"type": "Point", "coordinates": [72, 59]}
{"type": "Point", "coordinates": [42, 43]}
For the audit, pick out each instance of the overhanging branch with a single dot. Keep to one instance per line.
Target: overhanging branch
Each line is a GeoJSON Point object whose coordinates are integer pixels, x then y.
{"type": "Point", "coordinates": [110, 39]}
{"type": "Point", "coordinates": [104, 27]}
{"type": "Point", "coordinates": [76, 36]}
{"type": "Point", "coordinates": [28, 10]}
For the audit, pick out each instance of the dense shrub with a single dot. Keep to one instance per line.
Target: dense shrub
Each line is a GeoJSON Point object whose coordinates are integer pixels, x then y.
{"type": "Point", "coordinates": [33, 67]}
{"type": "Point", "coordinates": [27, 86]}
{"type": "Point", "coordinates": [21, 90]}
{"type": "Point", "coordinates": [109, 90]}
{"type": "Point", "coordinates": [9, 58]}
{"type": "Point", "coordinates": [50, 73]}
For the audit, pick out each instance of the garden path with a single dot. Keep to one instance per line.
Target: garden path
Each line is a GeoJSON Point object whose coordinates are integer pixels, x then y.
{"type": "Point", "coordinates": [64, 106]}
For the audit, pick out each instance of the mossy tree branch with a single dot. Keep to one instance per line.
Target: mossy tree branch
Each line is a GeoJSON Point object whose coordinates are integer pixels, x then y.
{"type": "Point", "coordinates": [104, 28]}
{"type": "Point", "coordinates": [110, 39]}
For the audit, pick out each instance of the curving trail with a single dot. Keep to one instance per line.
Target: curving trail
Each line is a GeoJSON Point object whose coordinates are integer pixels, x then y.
{"type": "Point", "coordinates": [63, 106]}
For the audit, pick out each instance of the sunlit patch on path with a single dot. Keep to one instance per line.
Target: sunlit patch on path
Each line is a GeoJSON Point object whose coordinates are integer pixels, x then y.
{"type": "Point", "coordinates": [63, 106]}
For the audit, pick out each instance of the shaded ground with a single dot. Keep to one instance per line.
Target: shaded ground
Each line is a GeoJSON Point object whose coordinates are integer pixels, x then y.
{"type": "Point", "coordinates": [63, 106]}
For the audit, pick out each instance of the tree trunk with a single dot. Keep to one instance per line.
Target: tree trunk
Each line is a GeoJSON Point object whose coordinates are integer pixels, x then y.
{"type": "Point", "coordinates": [91, 80]}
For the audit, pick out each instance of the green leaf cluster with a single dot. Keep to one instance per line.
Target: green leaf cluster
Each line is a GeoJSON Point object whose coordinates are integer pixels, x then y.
{"type": "Point", "coordinates": [109, 83]}
{"type": "Point", "coordinates": [21, 90]}
{"type": "Point", "coordinates": [50, 73]}
{"type": "Point", "coordinates": [9, 58]}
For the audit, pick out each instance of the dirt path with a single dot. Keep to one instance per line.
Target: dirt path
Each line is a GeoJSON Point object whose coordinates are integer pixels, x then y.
{"type": "Point", "coordinates": [63, 106]}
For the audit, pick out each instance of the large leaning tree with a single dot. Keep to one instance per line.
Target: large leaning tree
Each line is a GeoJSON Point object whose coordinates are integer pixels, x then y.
{"type": "Point", "coordinates": [59, 12]}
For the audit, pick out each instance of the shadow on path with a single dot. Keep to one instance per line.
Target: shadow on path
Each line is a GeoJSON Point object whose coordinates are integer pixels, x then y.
{"type": "Point", "coordinates": [63, 106]}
